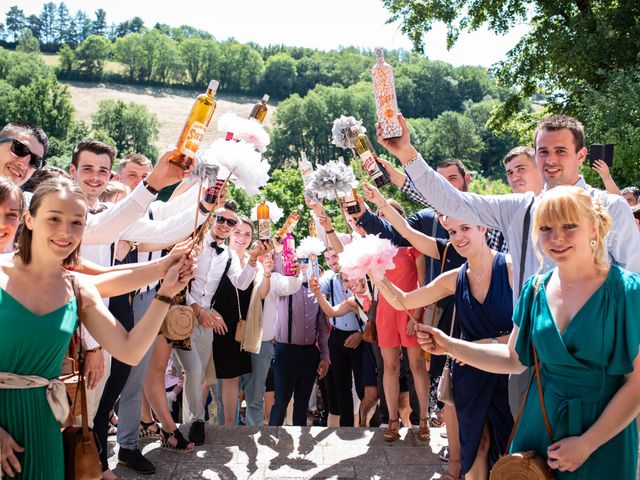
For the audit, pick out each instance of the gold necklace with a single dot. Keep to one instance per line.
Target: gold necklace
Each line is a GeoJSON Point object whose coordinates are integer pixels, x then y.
{"type": "Point", "coordinates": [479, 278]}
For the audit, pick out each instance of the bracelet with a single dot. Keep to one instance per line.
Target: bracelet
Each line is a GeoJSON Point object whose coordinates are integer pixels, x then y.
{"type": "Point", "coordinates": [329, 231]}
{"type": "Point", "coordinates": [151, 190]}
{"type": "Point", "coordinates": [406, 165]}
{"type": "Point", "coordinates": [97, 349]}
{"type": "Point", "coordinates": [163, 298]}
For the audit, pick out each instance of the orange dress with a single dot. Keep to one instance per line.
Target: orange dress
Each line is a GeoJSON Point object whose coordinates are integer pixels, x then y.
{"type": "Point", "coordinates": [391, 324]}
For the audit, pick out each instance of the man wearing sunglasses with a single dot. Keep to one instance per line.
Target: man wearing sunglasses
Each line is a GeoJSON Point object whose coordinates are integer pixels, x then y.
{"type": "Point", "coordinates": [23, 147]}
{"type": "Point", "coordinates": [216, 261]}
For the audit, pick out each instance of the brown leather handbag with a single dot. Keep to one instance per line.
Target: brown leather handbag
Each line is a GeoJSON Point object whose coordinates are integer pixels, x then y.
{"type": "Point", "coordinates": [81, 459]}
{"type": "Point", "coordinates": [526, 465]}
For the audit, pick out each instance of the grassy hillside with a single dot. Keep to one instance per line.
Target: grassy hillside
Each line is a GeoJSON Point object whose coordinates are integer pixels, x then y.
{"type": "Point", "coordinates": [171, 106]}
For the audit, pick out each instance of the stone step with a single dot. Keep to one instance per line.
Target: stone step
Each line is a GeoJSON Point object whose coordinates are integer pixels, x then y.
{"type": "Point", "coordinates": [240, 452]}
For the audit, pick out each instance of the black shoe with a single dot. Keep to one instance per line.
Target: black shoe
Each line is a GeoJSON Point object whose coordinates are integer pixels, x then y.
{"type": "Point", "coordinates": [196, 433]}
{"type": "Point", "coordinates": [135, 460]}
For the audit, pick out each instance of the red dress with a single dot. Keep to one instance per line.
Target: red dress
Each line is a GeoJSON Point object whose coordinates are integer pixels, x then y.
{"type": "Point", "coordinates": [391, 324]}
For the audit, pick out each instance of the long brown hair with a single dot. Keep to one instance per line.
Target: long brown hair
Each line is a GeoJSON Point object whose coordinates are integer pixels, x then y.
{"type": "Point", "coordinates": [9, 189]}
{"type": "Point", "coordinates": [54, 185]}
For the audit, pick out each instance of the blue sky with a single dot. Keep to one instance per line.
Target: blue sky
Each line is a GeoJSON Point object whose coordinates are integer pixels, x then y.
{"type": "Point", "coordinates": [324, 24]}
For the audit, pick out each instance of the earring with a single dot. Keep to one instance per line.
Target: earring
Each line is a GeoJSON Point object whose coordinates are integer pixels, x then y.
{"type": "Point", "coordinates": [593, 243]}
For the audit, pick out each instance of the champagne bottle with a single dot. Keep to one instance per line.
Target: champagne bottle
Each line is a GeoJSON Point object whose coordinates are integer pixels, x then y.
{"type": "Point", "coordinates": [368, 156]}
{"type": "Point", "coordinates": [264, 222]}
{"type": "Point", "coordinates": [195, 127]}
{"type": "Point", "coordinates": [214, 192]}
{"type": "Point", "coordinates": [288, 254]}
{"type": "Point", "coordinates": [259, 111]}
{"type": "Point", "coordinates": [306, 168]}
{"type": "Point", "coordinates": [291, 222]}
{"type": "Point", "coordinates": [351, 202]}
{"type": "Point", "coordinates": [384, 90]}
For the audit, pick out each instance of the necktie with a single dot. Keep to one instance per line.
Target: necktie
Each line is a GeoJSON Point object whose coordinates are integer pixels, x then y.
{"type": "Point", "coordinates": [217, 248]}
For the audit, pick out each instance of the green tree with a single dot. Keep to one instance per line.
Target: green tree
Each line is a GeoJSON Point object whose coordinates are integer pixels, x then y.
{"type": "Point", "coordinates": [27, 42]}
{"type": "Point", "coordinates": [279, 75]}
{"type": "Point", "coordinates": [62, 24]}
{"type": "Point", "coordinates": [191, 51]}
{"type": "Point", "coordinates": [211, 58]}
{"type": "Point", "coordinates": [92, 54]}
{"type": "Point", "coordinates": [129, 51]}
{"type": "Point", "coordinates": [132, 127]}
{"type": "Point", "coordinates": [169, 64]}
{"type": "Point", "coordinates": [99, 26]}
{"type": "Point", "coordinates": [34, 24]}
{"type": "Point", "coordinates": [15, 21]}
{"type": "Point", "coordinates": [242, 68]}
{"type": "Point", "coordinates": [83, 26]}
{"type": "Point", "coordinates": [66, 60]}
{"type": "Point", "coordinates": [48, 32]}
{"type": "Point", "coordinates": [20, 69]}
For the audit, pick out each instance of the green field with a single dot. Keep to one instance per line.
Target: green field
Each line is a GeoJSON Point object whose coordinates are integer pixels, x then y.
{"type": "Point", "coordinates": [51, 59]}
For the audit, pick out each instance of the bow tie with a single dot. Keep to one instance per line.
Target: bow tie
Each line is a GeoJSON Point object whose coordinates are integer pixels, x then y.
{"type": "Point", "coordinates": [217, 248]}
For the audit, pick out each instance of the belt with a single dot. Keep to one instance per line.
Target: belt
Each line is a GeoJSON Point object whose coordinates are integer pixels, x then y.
{"type": "Point", "coordinates": [56, 391]}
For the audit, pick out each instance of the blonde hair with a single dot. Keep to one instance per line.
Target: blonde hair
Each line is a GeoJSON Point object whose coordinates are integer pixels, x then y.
{"type": "Point", "coordinates": [114, 188]}
{"type": "Point", "coordinates": [568, 204]}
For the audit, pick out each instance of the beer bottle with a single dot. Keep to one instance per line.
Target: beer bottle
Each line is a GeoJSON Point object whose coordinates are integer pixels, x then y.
{"type": "Point", "coordinates": [264, 222]}
{"type": "Point", "coordinates": [195, 127]}
{"type": "Point", "coordinates": [214, 192]}
{"type": "Point", "coordinates": [291, 222]}
{"type": "Point", "coordinates": [384, 90]}
{"type": "Point", "coordinates": [351, 202]}
{"type": "Point", "coordinates": [288, 254]}
{"type": "Point", "coordinates": [259, 111]}
{"type": "Point", "coordinates": [368, 156]}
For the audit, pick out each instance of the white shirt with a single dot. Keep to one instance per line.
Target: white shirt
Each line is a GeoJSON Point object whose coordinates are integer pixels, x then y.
{"type": "Point", "coordinates": [209, 270]}
{"type": "Point", "coordinates": [281, 285]}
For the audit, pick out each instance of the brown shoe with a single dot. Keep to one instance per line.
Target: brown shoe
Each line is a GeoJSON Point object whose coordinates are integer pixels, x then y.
{"type": "Point", "coordinates": [423, 431]}
{"type": "Point", "coordinates": [391, 434]}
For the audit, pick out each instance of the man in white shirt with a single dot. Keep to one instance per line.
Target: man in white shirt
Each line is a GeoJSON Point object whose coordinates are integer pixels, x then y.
{"type": "Point", "coordinates": [215, 261]}
{"type": "Point", "coordinates": [133, 169]}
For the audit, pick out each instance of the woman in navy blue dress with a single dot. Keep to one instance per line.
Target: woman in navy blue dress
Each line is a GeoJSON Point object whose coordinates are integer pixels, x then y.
{"type": "Point", "coordinates": [482, 290]}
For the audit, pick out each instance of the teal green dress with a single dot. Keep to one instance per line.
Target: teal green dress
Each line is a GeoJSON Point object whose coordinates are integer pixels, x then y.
{"type": "Point", "coordinates": [34, 345]}
{"type": "Point", "coordinates": [581, 371]}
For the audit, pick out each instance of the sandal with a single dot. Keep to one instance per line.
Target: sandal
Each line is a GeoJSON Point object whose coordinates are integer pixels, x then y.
{"type": "Point", "coordinates": [449, 476]}
{"type": "Point", "coordinates": [391, 434]}
{"type": "Point", "coordinates": [423, 431]}
{"type": "Point", "coordinates": [181, 445]}
{"type": "Point", "coordinates": [149, 430]}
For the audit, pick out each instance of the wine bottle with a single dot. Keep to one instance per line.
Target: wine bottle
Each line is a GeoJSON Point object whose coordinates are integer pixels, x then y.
{"type": "Point", "coordinates": [259, 111]}
{"type": "Point", "coordinates": [368, 156]}
{"type": "Point", "coordinates": [351, 202]}
{"type": "Point", "coordinates": [306, 169]}
{"type": "Point", "coordinates": [288, 254]}
{"type": "Point", "coordinates": [291, 223]}
{"type": "Point", "coordinates": [384, 90]}
{"type": "Point", "coordinates": [195, 127]}
{"type": "Point", "coordinates": [264, 222]}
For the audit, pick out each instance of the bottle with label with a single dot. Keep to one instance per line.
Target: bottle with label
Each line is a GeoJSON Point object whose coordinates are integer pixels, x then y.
{"type": "Point", "coordinates": [214, 192]}
{"type": "Point", "coordinates": [313, 231]}
{"type": "Point", "coordinates": [351, 202]}
{"type": "Point", "coordinates": [368, 156]}
{"type": "Point", "coordinates": [195, 127]}
{"type": "Point", "coordinates": [264, 222]}
{"type": "Point", "coordinates": [259, 111]}
{"type": "Point", "coordinates": [306, 168]}
{"type": "Point", "coordinates": [384, 90]}
{"type": "Point", "coordinates": [288, 254]}
{"type": "Point", "coordinates": [291, 223]}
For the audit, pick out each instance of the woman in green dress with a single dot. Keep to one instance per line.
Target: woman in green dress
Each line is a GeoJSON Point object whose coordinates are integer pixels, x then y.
{"type": "Point", "coordinates": [582, 320]}
{"type": "Point", "coordinates": [38, 314]}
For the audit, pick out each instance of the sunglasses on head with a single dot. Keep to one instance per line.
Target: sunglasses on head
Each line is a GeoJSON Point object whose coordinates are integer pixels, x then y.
{"type": "Point", "coordinates": [21, 150]}
{"type": "Point", "coordinates": [230, 221]}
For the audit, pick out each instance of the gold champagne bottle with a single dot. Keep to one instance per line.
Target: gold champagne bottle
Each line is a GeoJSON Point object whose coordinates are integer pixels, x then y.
{"type": "Point", "coordinates": [195, 127]}
{"type": "Point", "coordinates": [259, 111]}
{"type": "Point", "coordinates": [368, 156]}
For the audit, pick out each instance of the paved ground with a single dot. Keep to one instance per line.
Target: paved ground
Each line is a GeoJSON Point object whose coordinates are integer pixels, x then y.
{"type": "Point", "coordinates": [295, 453]}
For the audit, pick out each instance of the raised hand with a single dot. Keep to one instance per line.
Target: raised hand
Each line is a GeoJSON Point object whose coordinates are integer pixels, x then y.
{"type": "Point", "coordinates": [267, 264]}
{"type": "Point", "coordinates": [165, 173]}
{"type": "Point", "coordinates": [259, 248]}
{"type": "Point", "coordinates": [400, 146]}
{"type": "Point", "coordinates": [325, 221]}
{"type": "Point", "coordinates": [373, 195]}
{"type": "Point", "coordinates": [314, 285]}
{"type": "Point", "coordinates": [602, 168]}
{"type": "Point", "coordinates": [397, 177]}
{"type": "Point", "coordinates": [177, 276]}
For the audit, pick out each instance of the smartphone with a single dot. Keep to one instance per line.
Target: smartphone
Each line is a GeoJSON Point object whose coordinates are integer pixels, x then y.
{"type": "Point", "coordinates": [601, 151]}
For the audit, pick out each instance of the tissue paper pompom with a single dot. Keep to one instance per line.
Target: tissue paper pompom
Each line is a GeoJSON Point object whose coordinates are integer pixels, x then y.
{"type": "Point", "coordinates": [341, 132]}
{"type": "Point", "coordinates": [332, 177]}
{"type": "Point", "coordinates": [310, 246]}
{"type": "Point", "coordinates": [249, 170]}
{"type": "Point", "coordinates": [275, 212]}
{"type": "Point", "coordinates": [367, 254]}
{"type": "Point", "coordinates": [245, 129]}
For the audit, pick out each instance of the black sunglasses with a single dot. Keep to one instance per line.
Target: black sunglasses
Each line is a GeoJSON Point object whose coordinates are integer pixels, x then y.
{"type": "Point", "coordinates": [230, 221]}
{"type": "Point", "coordinates": [21, 150]}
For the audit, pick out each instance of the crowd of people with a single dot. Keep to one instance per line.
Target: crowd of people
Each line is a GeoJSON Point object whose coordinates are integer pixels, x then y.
{"type": "Point", "coordinates": [484, 284]}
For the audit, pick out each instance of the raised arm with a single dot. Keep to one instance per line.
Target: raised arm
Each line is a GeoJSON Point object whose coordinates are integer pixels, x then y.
{"type": "Point", "coordinates": [443, 286]}
{"type": "Point", "coordinates": [423, 243]}
{"type": "Point", "coordinates": [330, 311]}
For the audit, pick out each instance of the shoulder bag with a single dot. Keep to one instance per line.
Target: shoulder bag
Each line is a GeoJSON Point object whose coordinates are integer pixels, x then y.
{"type": "Point", "coordinates": [445, 385]}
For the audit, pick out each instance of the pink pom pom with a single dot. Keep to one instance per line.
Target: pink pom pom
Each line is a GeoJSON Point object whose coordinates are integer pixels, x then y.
{"type": "Point", "coordinates": [368, 254]}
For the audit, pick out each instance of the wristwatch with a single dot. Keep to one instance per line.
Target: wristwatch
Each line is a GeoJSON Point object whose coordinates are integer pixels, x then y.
{"type": "Point", "coordinates": [151, 190]}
